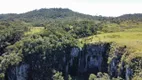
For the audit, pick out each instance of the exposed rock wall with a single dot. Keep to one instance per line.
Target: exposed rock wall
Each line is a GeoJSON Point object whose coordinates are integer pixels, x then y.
{"type": "Point", "coordinates": [92, 58]}
{"type": "Point", "coordinates": [19, 72]}
{"type": "Point", "coordinates": [117, 66]}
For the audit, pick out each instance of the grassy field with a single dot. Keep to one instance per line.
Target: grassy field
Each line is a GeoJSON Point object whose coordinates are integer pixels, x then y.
{"type": "Point", "coordinates": [123, 26]}
{"type": "Point", "coordinates": [34, 30]}
{"type": "Point", "coordinates": [131, 38]}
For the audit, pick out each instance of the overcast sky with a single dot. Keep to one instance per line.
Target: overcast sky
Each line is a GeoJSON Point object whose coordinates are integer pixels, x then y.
{"type": "Point", "coordinates": [92, 7]}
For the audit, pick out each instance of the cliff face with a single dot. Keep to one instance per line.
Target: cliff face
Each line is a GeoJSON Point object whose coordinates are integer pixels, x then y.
{"type": "Point", "coordinates": [117, 67]}
{"type": "Point", "coordinates": [90, 59]}
{"type": "Point", "coordinates": [76, 61]}
{"type": "Point", "coordinates": [18, 72]}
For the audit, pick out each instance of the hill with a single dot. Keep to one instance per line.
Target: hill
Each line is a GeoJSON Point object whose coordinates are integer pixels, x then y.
{"type": "Point", "coordinates": [44, 15]}
{"type": "Point", "coordinates": [137, 16]}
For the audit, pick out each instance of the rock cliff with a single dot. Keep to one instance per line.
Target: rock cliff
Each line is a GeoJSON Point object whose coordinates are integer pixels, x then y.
{"type": "Point", "coordinates": [75, 61]}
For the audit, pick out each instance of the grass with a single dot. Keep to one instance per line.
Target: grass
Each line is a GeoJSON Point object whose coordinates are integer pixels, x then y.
{"type": "Point", "coordinates": [34, 30]}
{"type": "Point", "coordinates": [138, 29]}
{"type": "Point", "coordinates": [123, 26]}
{"type": "Point", "coordinates": [131, 38]}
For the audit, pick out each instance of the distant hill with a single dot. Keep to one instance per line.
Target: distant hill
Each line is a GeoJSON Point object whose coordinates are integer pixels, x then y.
{"type": "Point", "coordinates": [137, 16]}
{"type": "Point", "coordinates": [64, 14]}
{"type": "Point", "coordinates": [8, 16]}
{"type": "Point", "coordinates": [43, 15]}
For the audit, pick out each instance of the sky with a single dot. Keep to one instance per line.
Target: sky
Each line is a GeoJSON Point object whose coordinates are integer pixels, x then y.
{"type": "Point", "coordinates": [92, 7]}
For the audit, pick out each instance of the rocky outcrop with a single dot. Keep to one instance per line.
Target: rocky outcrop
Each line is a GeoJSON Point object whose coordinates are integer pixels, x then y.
{"type": "Point", "coordinates": [117, 67]}
{"type": "Point", "coordinates": [92, 58]}
{"type": "Point", "coordinates": [128, 73]}
{"type": "Point", "coordinates": [19, 72]}
{"type": "Point", "coordinates": [86, 60]}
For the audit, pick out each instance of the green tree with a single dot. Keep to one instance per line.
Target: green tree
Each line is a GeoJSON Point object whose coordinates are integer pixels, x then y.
{"type": "Point", "coordinates": [58, 76]}
{"type": "Point", "coordinates": [69, 77]}
{"type": "Point", "coordinates": [92, 77]}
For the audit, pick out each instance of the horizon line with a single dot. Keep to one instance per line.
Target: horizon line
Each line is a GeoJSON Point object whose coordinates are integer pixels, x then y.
{"type": "Point", "coordinates": [18, 13]}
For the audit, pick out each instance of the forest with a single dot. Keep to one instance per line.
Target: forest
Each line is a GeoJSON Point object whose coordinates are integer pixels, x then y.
{"type": "Point", "coordinates": [60, 44]}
